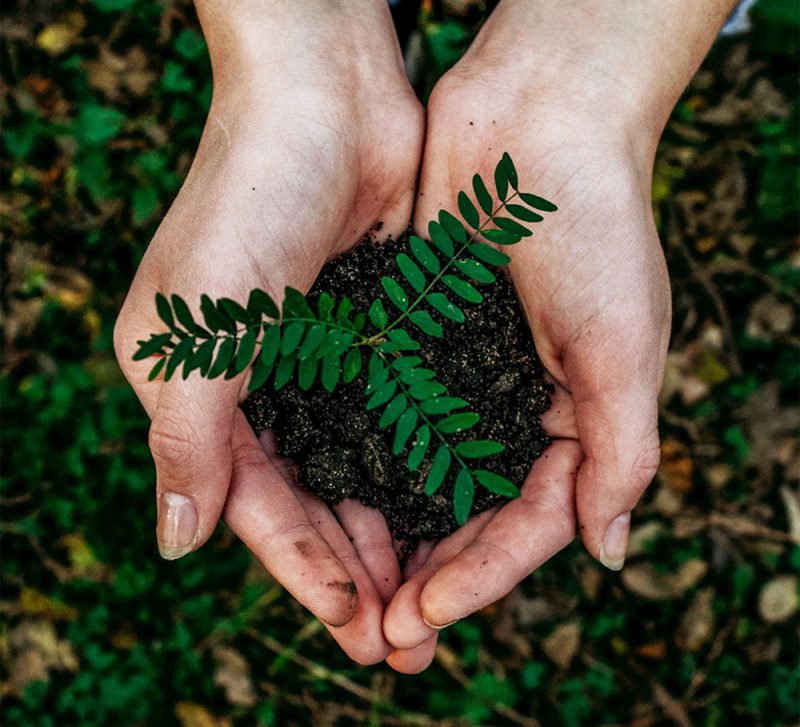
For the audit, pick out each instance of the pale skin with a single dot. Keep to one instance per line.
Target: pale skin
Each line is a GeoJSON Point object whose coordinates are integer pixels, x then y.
{"type": "Point", "coordinates": [577, 93]}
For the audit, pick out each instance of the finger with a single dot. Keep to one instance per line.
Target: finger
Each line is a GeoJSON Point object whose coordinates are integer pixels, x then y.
{"type": "Point", "coordinates": [403, 624]}
{"type": "Point", "coordinates": [264, 512]}
{"type": "Point", "coordinates": [361, 638]}
{"type": "Point", "coordinates": [519, 538]}
{"type": "Point", "coordinates": [413, 661]}
{"type": "Point", "coordinates": [373, 545]}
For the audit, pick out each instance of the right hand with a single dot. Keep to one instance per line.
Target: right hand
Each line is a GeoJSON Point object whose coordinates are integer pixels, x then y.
{"type": "Point", "coordinates": [313, 136]}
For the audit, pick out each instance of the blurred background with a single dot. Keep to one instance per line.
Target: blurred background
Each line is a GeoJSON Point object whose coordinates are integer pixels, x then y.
{"type": "Point", "coordinates": [103, 102]}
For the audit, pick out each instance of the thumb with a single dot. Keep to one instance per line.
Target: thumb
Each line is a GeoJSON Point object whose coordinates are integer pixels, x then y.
{"type": "Point", "coordinates": [190, 440]}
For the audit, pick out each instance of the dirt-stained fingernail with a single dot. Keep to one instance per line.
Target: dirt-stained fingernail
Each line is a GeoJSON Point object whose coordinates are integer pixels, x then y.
{"type": "Point", "coordinates": [615, 542]}
{"type": "Point", "coordinates": [177, 526]}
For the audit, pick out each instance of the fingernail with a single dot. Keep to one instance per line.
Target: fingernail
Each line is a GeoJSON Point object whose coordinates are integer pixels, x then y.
{"type": "Point", "coordinates": [615, 542]}
{"type": "Point", "coordinates": [177, 526]}
{"type": "Point", "coordinates": [442, 626]}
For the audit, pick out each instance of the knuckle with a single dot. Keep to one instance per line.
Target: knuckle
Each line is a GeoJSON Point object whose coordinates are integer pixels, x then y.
{"type": "Point", "coordinates": [172, 446]}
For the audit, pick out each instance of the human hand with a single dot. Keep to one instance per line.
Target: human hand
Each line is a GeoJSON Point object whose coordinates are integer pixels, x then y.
{"type": "Point", "coordinates": [553, 85]}
{"type": "Point", "coordinates": [313, 137]}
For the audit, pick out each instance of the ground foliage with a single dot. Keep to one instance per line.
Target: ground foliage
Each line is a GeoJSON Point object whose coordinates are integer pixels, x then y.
{"type": "Point", "coordinates": [103, 104]}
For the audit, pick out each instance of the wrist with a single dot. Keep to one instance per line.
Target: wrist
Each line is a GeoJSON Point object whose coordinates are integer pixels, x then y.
{"type": "Point", "coordinates": [623, 64]}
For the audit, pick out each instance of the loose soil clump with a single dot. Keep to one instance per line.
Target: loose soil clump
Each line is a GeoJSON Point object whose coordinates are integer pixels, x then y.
{"type": "Point", "coordinates": [489, 360]}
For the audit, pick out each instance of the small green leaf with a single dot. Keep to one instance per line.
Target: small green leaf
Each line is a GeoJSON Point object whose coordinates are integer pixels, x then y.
{"type": "Point", "coordinates": [523, 213]}
{"type": "Point", "coordinates": [377, 314]}
{"type": "Point", "coordinates": [448, 309]}
{"type": "Point", "coordinates": [438, 471]}
{"type": "Point", "coordinates": [417, 374]}
{"type": "Point", "coordinates": [295, 304]}
{"type": "Point", "coordinates": [479, 448]}
{"type": "Point", "coordinates": [411, 272]}
{"type": "Point", "coordinates": [203, 356]}
{"type": "Point", "coordinates": [233, 310]}
{"type": "Point", "coordinates": [453, 226]}
{"type": "Point", "coordinates": [352, 365]}
{"type": "Point", "coordinates": [156, 370]}
{"type": "Point", "coordinates": [377, 377]}
{"type": "Point", "coordinates": [423, 320]}
{"type": "Point", "coordinates": [426, 389]}
{"type": "Point", "coordinates": [330, 372]}
{"type": "Point", "coordinates": [424, 254]}
{"type": "Point", "coordinates": [538, 203]}
{"type": "Point", "coordinates": [406, 362]}
{"type": "Point", "coordinates": [247, 345]}
{"type": "Point", "coordinates": [395, 292]}
{"type": "Point", "coordinates": [512, 226]}
{"type": "Point", "coordinates": [468, 210]}
{"type": "Point", "coordinates": [510, 170]}
{"type": "Point", "coordinates": [482, 194]}
{"type": "Point", "coordinates": [164, 310]}
{"type": "Point", "coordinates": [359, 321]}
{"type": "Point", "coordinates": [343, 311]}
{"type": "Point", "coordinates": [476, 271]}
{"type": "Point", "coordinates": [261, 304]}
{"type": "Point", "coordinates": [400, 336]}
{"type": "Point", "coordinates": [458, 422]}
{"type": "Point", "coordinates": [270, 345]}
{"type": "Point", "coordinates": [154, 344]}
{"type": "Point", "coordinates": [312, 341]}
{"type": "Point", "coordinates": [183, 314]}
{"type": "Point", "coordinates": [419, 448]}
{"type": "Point", "coordinates": [325, 305]}
{"type": "Point", "coordinates": [292, 334]}
{"type": "Point", "coordinates": [224, 355]}
{"type": "Point", "coordinates": [307, 372]}
{"type": "Point", "coordinates": [500, 237]}
{"type": "Point", "coordinates": [442, 405]}
{"type": "Point", "coordinates": [406, 425]}
{"type": "Point", "coordinates": [501, 181]}
{"type": "Point", "coordinates": [258, 375]}
{"type": "Point", "coordinates": [462, 288]}
{"type": "Point", "coordinates": [284, 371]}
{"type": "Point", "coordinates": [463, 495]}
{"type": "Point", "coordinates": [177, 357]}
{"type": "Point", "coordinates": [393, 411]}
{"type": "Point", "coordinates": [488, 254]}
{"type": "Point", "coordinates": [497, 484]}
{"type": "Point", "coordinates": [213, 318]}
{"type": "Point", "coordinates": [440, 238]}
{"type": "Point", "coordinates": [382, 394]}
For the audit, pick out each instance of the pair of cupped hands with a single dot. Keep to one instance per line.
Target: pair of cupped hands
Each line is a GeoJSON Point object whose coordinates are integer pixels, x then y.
{"type": "Point", "coordinates": [312, 139]}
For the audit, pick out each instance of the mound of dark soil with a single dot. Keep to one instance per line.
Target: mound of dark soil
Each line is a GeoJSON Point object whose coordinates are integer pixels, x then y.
{"type": "Point", "coordinates": [489, 360]}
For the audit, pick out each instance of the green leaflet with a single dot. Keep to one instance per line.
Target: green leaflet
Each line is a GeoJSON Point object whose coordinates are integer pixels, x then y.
{"type": "Point", "coordinates": [438, 470]}
{"type": "Point", "coordinates": [479, 448]}
{"type": "Point", "coordinates": [426, 257]}
{"type": "Point", "coordinates": [482, 194]}
{"type": "Point", "coordinates": [403, 430]}
{"type": "Point", "coordinates": [462, 289]}
{"type": "Point", "coordinates": [497, 484]}
{"type": "Point", "coordinates": [476, 271]}
{"type": "Point", "coordinates": [411, 272]}
{"type": "Point", "coordinates": [445, 306]}
{"type": "Point", "coordinates": [419, 448]}
{"type": "Point", "coordinates": [468, 210]}
{"type": "Point", "coordinates": [395, 292]}
{"type": "Point", "coordinates": [463, 495]}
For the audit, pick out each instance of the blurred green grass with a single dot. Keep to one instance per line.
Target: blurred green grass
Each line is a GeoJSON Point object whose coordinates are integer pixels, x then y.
{"type": "Point", "coordinates": [103, 104]}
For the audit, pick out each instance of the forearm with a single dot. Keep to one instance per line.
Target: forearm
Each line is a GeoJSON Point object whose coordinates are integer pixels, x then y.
{"type": "Point", "coordinates": [627, 59]}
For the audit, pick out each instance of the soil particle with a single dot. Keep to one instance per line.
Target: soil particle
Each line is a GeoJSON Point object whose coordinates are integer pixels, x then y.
{"type": "Point", "coordinates": [489, 360]}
